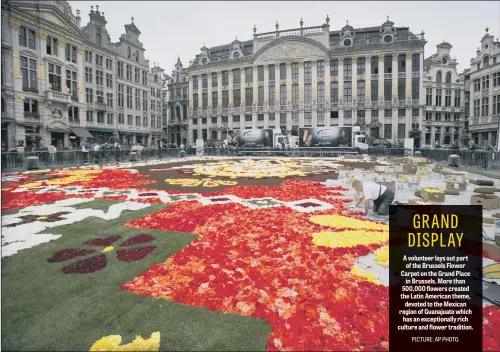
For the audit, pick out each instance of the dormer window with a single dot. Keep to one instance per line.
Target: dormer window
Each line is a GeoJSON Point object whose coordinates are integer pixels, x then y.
{"type": "Point", "coordinates": [439, 77]}
{"type": "Point", "coordinates": [347, 42]}
{"type": "Point", "coordinates": [486, 61]}
{"type": "Point", "coordinates": [478, 66]}
{"type": "Point", "coordinates": [444, 61]}
{"type": "Point", "coordinates": [137, 55]}
{"type": "Point", "coordinates": [388, 39]}
{"type": "Point", "coordinates": [129, 54]}
{"type": "Point", "coordinates": [448, 77]}
{"type": "Point", "coordinates": [98, 36]}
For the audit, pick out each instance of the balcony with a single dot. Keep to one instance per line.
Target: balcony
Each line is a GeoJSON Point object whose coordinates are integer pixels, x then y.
{"type": "Point", "coordinates": [260, 109]}
{"type": "Point", "coordinates": [195, 112]}
{"type": "Point", "coordinates": [401, 74]}
{"type": "Point", "coordinates": [374, 104]}
{"type": "Point", "coordinates": [387, 104]}
{"type": "Point", "coordinates": [283, 107]}
{"type": "Point", "coordinates": [415, 74]}
{"type": "Point", "coordinates": [387, 75]}
{"type": "Point", "coordinates": [214, 112]}
{"type": "Point", "coordinates": [321, 106]}
{"type": "Point", "coordinates": [375, 77]}
{"type": "Point", "coordinates": [100, 105]}
{"type": "Point", "coordinates": [248, 109]}
{"type": "Point", "coordinates": [58, 96]}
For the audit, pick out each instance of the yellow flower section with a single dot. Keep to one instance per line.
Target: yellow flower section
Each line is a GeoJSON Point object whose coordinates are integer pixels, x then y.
{"type": "Point", "coordinates": [42, 218]}
{"type": "Point", "coordinates": [382, 256]}
{"type": "Point", "coordinates": [67, 177]}
{"type": "Point", "coordinates": [112, 343]}
{"type": "Point", "coordinates": [433, 190]}
{"type": "Point", "coordinates": [348, 239]}
{"type": "Point", "coordinates": [363, 275]}
{"type": "Point", "coordinates": [344, 222]}
{"type": "Point", "coordinates": [190, 182]}
{"type": "Point", "coordinates": [109, 249]}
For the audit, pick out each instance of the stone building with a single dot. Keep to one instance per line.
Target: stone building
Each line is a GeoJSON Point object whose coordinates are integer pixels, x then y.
{"type": "Point", "coordinates": [484, 124]}
{"type": "Point", "coordinates": [177, 106]}
{"type": "Point", "coordinates": [443, 120]}
{"type": "Point", "coordinates": [156, 79]}
{"type": "Point", "coordinates": [63, 83]}
{"type": "Point", "coordinates": [310, 76]}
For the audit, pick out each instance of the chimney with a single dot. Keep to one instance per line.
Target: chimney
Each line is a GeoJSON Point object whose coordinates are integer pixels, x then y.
{"type": "Point", "coordinates": [78, 19]}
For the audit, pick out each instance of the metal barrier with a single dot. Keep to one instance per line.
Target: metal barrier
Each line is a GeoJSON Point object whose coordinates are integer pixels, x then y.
{"type": "Point", "coordinates": [67, 158]}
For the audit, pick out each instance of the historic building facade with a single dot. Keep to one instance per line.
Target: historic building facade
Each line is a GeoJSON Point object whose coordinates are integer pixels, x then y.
{"type": "Point", "coordinates": [177, 106]}
{"type": "Point", "coordinates": [443, 120]}
{"type": "Point", "coordinates": [64, 83]}
{"type": "Point", "coordinates": [484, 122]}
{"type": "Point", "coordinates": [310, 76]}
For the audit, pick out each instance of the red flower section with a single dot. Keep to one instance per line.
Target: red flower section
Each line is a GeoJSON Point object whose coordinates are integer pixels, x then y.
{"type": "Point", "coordinates": [116, 179]}
{"type": "Point", "coordinates": [142, 238]}
{"type": "Point", "coordinates": [11, 201]}
{"type": "Point", "coordinates": [491, 328]}
{"type": "Point", "coordinates": [67, 254]}
{"type": "Point", "coordinates": [185, 216]}
{"type": "Point", "coordinates": [87, 266]}
{"type": "Point", "coordinates": [134, 254]}
{"type": "Point", "coordinates": [103, 242]}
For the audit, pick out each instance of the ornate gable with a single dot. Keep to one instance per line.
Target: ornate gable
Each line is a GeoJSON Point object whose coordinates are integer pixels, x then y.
{"type": "Point", "coordinates": [290, 49]}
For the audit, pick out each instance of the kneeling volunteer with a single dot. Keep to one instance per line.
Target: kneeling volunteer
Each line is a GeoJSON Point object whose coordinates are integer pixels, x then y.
{"type": "Point", "coordinates": [381, 196]}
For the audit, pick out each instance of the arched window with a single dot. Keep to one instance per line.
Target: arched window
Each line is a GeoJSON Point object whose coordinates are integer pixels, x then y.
{"type": "Point", "coordinates": [439, 77]}
{"type": "Point", "coordinates": [137, 55]}
{"type": "Point", "coordinates": [448, 77]}
{"type": "Point", "coordinates": [129, 52]}
{"type": "Point", "coordinates": [486, 61]}
{"type": "Point", "coordinates": [98, 36]}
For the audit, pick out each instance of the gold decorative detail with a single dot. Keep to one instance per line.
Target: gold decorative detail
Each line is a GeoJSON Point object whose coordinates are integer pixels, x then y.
{"type": "Point", "coordinates": [321, 79]}
{"type": "Point", "coordinates": [266, 66]}
{"type": "Point", "coordinates": [195, 91]}
{"type": "Point", "coordinates": [83, 108]}
{"type": "Point", "coordinates": [295, 81]}
{"type": "Point", "coordinates": [62, 43]}
{"type": "Point", "coordinates": [301, 64]}
{"type": "Point", "coordinates": [313, 63]}
{"type": "Point", "coordinates": [261, 84]}
{"type": "Point", "coordinates": [333, 78]}
{"type": "Point", "coordinates": [341, 60]}
{"type": "Point", "coordinates": [14, 24]}
{"type": "Point", "coordinates": [41, 100]}
{"type": "Point", "coordinates": [283, 82]}
{"type": "Point", "coordinates": [353, 97]}
{"type": "Point", "coordinates": [41, 34]}
{"type": "Point", "coordinates": [354, 60]}
{"type": "Point", "coordinates": [18, 97]}
{"type": "Point", "coordinates": [409, 55]}
{"type": "Point", "coordinates": [361, 77]}
{"type": "Point", "coordinates": [81, 50]}
{"type": "Point", "coordinates": [255, 68]}
{"type": "Point", "coordinates": [289, 64]}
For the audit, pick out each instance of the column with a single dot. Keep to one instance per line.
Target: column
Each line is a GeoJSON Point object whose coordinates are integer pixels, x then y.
{"type": "Point", "coordinates": [354, 83]}
{"type": "Point", "coordinates": [200, 93]}
{"type": "Point", "coordinates": [301, 92]}
{"type": "Point", "coordinates": [209, 94]}
{"type": "Point", "coordinates": [243, 89]}
{"type": "Point", "coordinates": [314, 87]}
{"type": "Point", "coordinates": [289, 116]}
{"type": "Point", "coordinates": [327, 92]}
{"type": "Point", "coordinates": [255, 92]}
{"type": "Point", "coordinates": [381, 105]}
{"type": "Point", "coordinates": [81, 90]}
{"type": "Point", "coordinates": [368, 90]}
{"type": "Point", "coordinates": [16, 60]}
{"type": "Point", "coordinates": [190, 91]}
{"type": "Point", "coordinates": [266, 97]}
{"type": "Point", "coordinates": [341, 91]}
{"type": "Point", "coordinates": [219, 88]}
{"type": "Point", "coordinates": [395, 113]}
{"type": "Point", "coordinates": [230, 90]}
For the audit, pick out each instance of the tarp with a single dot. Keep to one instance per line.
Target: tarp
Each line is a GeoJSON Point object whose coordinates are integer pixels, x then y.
{"type": "Point", "coordinates": [81, 132]}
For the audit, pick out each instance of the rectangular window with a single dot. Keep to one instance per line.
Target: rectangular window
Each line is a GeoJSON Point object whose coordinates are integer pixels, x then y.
{"type": "Point", "coordinates": [401, 112]}
{"type": "Point", "coordinates": [145, 121]}
{"type": "Point", "coordinates": [347, 91]}
{"type": "Point", "coordinates": [428, 96]}
{"type": "Point", "coordinates": [295, 70]}
{"type": "Point", "coordinates": [236, 76]}
{"type": "Point", "coordinates": [248, 118]}
{"type": "Point", "coordinates": [137, 99]}
{"type": "Point", "coordinates": [71, 53]}
{"type": "Point", "coordinates": [260, 96]}
{"type": "Point", "coordinates": [374, 91]}
{"type": "Point", "coordinates": [145, 78]}
{"type": "Point", "coordinates": [73, 114]}
{"type": "Point", "coordinates": [109, 64]}
{"type": "Point", "coordinates": [248, 75]}
{"type": "Point", "coordinates": [457, 98]}
{"type": "Point", "coordinates": [55, 77]}
{"type": "Point", "coordinates": [347, 67]}
{"type": "Point", "coordinates": [387, 113]}
{"type": "Point", "coordinates": [374, 114]}
{"type": "Point", "coordinates": [321, 94]}
{"type": "Point", "coordinates": [486, 82]}
{"type": "Point", "coordinates": [119, 69]}
{"type": "Point", "coordinates": [129, 97]}
{"type": "Point", "coordinates": [204, 101]}
{"type": "Point", "coordinates": [27, 38]}
{"type": "Point", "coordinates": [283, 95]}
{"type": "Point", "coordinates": [204, 81]}
{"type": "Point", "coordinates": [99, 77]}
{"type": "Point", "coordinates": [215, 81]}
{"type": "Point", "coordinates": [439, 93]}
{"type": "Point", "coordinates": [236, 98]}
{"type": "Point", "coordinates": [348, 115]}
{"type": "Point", "coordinates": [401, 131]}
{"type": "Point", "coordinates": [374, 65]}
{"type": "Point", "coordinates": [100, 117]}
{"type": "Point", "coordinates": [485, 111]}
{"type": "Point", "coordinates": [30, 107]}
{"type": "Point", "coordinates": [402, 63]}
{"type": "Point", "coordinates": [121, 96]}
{"type": "Point", "coordinates": [88, 56]}
{"type": "Point", "coordinates": [225, 78]}
{"type": "Point", "coordinates": [361, 91]}
{"type": "Point", "coordinates": [129, 72]}
{"type": "Point", "coordinates": [98, 60]}
{"type": "Point", "coordinates": [71, 83]}
{"type": "Point", "coordinates": [477, 107]}
{"type": "Point", "coordinates": [496, 104]}
{"type": "Point", "coordinates": [88, 74]}
{"type": "Point", "coordinates": [248, 96]}
{"type": "Point", "coordinates": [137, 75]}
{"type": "Point", "coordinates": [388, 64]}
{"type": "Point", "coordinates": [109, 119]}
{"type": "Point", "coordinates": [121, 118]}
{"type": "Point", "coordinates": [388, 131]}
{"type": "Point", "coordinates": [144, 100]}
{"type": "Point", "coordinates": [225, 99]}
{"type": "Point", "coordinates": [334, 67]}
{"type": "Point", "coordinates": [307, 72]}
{"type": "Point", "coordinates": [401, 89]}
{"type": "Point", "coordinates": [496, 79]}
{"type": "Point", "coordinates": [130, 120]}
{"type": "Point", "coordinates": [307, 93]}
{"type": "Point", "coordinates": [334, 92]}
{"type": "Point", "coordinates": [51, 46]}
{"type": "Point", "coordinates": [236, 118]}
{"type": "Point", "coordinates": [477, 85]}
{"type": "Point", "coordinates": [272, 95]}
{"type": "Point", "coordinates": [295, 96]}
{"type": "Point", "coordinates": [90, 116]}
{"type": "Point", "coordinates": [109, 80]}
{"type": "Point", "coordinates": [361, 66]}
{"type": "Point", "coordinates": [387, 90]}
{"type": "Point", "coordinates": [447, 97]}
{"type": "Point", "coordinates": [415, 88]}
{"type": "Point", "coordinates": [28, 72]}
{"type": "Point", "coordinates": [320, 68]}
{"type": "Point", "coordinates": [138, 121]}
{"type": "Point", "coordinates": [109, 98]}
{"type": "Point", "coordinates": [282, 71]}
{"type": "Point", "coordinates": [215, 101]}
{"type": "Point", "coordinates": [100, 96]}
{"type": "Point", "coordinates": [415, 63]}
{"type": "Point", "coordinates": [195, 82]}
{"type": "Point", "coordinates": [272, 73]}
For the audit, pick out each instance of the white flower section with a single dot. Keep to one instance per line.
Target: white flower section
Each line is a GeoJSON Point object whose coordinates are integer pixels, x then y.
{"type": "Point", "coordinates": [369, 264]}
{"type": "Point", "coordinates": [308, 205]}
{"type": "Point", "coordinates": [25, 236]}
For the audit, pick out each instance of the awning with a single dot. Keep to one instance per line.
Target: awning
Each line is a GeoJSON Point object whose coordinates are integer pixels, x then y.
{"type": "Point", "coordinates": [55, 130]}
{"type": "Point", "coordinates": [81, 132]}
{"type": "Point", "coordinates": [101, 130]}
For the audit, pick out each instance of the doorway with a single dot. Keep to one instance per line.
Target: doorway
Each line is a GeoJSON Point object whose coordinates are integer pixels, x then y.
{"type": "Point", "coordinates": [57, 139]}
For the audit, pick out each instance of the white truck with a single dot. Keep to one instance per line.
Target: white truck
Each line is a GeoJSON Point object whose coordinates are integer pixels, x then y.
{"type": "Point", "coordinates": [283, 141]}
{"type": "Point", "coordinates": [359, 140]}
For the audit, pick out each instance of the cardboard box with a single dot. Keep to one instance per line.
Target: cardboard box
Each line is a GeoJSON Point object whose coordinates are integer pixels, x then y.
{"type": "Point", "coordinates": [410, 169]}
{"type": "Point", "coordinates": [488, 201]}
{"type": "Point", "coordinates": [432, 195]}
{"type": "Point", "coordinates": [420, 202]}
{"type": "Point", "coordinates": [452, 186]}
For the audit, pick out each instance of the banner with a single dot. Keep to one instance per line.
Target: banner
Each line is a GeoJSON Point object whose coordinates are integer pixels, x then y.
{"type": "Point", "coordinates": [325, 137]}
{"type": "Point", "coordinates": [255, 138]}
{"type": "Point", "coordinates": [408, 146]}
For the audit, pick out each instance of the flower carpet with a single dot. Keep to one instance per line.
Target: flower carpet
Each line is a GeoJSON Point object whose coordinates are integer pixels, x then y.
{"type": "Point", "coordinates": [196, 255]}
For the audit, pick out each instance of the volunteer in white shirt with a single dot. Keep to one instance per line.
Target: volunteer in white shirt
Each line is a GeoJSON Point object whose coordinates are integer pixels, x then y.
{"type": "Point", "coordinates": [380, 195]}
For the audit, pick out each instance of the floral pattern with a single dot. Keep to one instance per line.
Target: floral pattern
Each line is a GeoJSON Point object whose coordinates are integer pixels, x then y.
{"type": "Point", "coordinates": [206, 182]}
{"type": "Point", "coordinates": [113, 343]}
{"type": "Point", "coordinates": [98, 262]}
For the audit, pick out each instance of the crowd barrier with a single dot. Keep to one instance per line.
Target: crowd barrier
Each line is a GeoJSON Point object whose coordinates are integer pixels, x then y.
{"type": "Point", "coordinates": [67, 158]}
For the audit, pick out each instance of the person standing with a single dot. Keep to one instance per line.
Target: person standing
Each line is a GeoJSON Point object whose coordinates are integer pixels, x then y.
{"type": "Point", "coordinates": [381, 196]}
{"type": "Point", "coordinates": [52, 154]}
{"type": "Point", "coordinates": [85, 151]}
